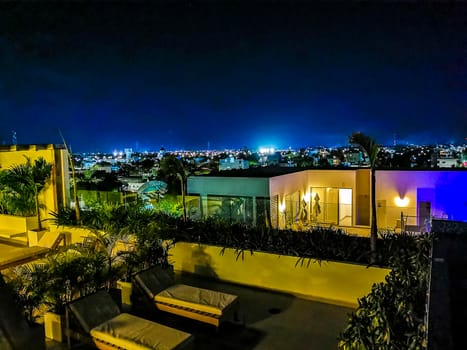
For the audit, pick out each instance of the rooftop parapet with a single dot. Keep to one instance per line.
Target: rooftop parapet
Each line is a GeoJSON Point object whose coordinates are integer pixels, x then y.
{"type": "Point", "coordinates": [31, 147]}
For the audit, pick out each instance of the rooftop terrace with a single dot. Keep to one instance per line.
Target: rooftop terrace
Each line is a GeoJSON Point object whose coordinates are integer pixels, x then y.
{"type": "Point", "coordinates": [268, 320]}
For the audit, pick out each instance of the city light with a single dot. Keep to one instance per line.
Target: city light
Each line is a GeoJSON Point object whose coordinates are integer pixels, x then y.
{"type": "Point", "coordinates": [267, 150]}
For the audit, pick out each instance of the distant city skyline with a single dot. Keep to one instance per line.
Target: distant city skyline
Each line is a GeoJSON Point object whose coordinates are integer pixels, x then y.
{"type": "Point", "coordinates": [122, 150]}
{"type": "Point", "coordinates": [182, 75]}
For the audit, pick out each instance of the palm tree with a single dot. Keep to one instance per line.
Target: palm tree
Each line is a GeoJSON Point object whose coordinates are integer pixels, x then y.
{"type": "Point", "coordinates": [17, 198]}
{"type": "Point", "coordinates": [73, 175]}
{"type": "Point", "coordinates": [171, 166]}
{"type": "Point", "coordinates": [23, 184]}
{"type": "Point", "coordinates": [369, 146]}
{"type": "Point", "coordinates": [30, 283]}
{"type": "Point", "coordinates": [41, 173]}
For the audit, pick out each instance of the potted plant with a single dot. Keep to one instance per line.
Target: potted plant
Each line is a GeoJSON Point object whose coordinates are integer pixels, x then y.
{"type": "Point", "coordinates": [22, 185]}
{"type": "Point", "coordinates": [19, 331]}
{"type": "Point", "coordinates": [72, 273]}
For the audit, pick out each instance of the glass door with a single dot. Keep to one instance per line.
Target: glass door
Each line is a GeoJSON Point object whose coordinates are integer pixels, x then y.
{"type": "Point", "coordinates": [345, 206]}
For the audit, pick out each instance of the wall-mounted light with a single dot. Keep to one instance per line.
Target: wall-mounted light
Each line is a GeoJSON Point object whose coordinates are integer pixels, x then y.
{"type": "Point", "coordinates": [401, 202]}
{"type": "Point", "coordinates": [282, 207]}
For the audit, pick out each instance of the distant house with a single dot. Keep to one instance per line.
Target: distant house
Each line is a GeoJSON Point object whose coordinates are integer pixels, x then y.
{"type": "Point", "coordinates": [133, 183]}
{"type": "Point", "coordinates": [447, 162]}
{"type": "Point", "coordinates": [288, 197]}
{"type": "Point", "coordinates": [105, 167]}
{"type": "Point", "coordinates": [230, 163]}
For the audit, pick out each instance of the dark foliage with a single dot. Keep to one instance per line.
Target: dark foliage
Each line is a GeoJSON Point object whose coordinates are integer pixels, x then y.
{"type": "Point", "coordinates": [318, 243]}
{"type": "Point", "coordinates": [392, 315]}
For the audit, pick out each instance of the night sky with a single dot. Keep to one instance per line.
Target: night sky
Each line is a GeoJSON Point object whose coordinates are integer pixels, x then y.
{"type": "Point", "coordinates": [232, 74]}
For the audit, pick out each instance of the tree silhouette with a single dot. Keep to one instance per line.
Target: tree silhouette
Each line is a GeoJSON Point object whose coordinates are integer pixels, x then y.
{"type": "Point", "coordinates": [171, 166]}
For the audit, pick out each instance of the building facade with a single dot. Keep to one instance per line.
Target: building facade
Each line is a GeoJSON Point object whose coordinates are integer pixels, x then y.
{"type": "Point", "coordinates": [232, 163]}
{"type": "Point", "coordinates": [405, 199]}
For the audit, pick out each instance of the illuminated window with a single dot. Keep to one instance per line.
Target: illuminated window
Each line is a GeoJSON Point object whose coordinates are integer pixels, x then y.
{"type": "Point", "coordinates": [331, 205]}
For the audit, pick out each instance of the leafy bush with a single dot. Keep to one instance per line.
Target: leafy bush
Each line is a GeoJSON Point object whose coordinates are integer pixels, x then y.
{"type": "Point", "coordinates": [56, 280]}
{"type": "Point", "coordinates": [392, 316]}
{"type": "Point", "coordinates": [318, 243]}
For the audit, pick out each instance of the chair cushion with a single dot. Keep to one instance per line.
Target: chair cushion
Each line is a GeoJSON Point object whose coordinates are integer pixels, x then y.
{"type": "Point", "coordinates": [204, 300]}
{"type": "Point", "coordinates": [93, 310]}
{"type": "Point", "coordinates": [154, 280]}
{"type": "Point", "coordinates": [130, 332]}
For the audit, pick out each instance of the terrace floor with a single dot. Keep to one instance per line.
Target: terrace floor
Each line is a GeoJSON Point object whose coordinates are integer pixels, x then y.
{"type": "Point", "coordinates": [268, 320]}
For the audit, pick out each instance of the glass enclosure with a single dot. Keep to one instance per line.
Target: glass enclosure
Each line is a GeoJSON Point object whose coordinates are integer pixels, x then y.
{"type": "Point", "coordinates": [246, 210]}
{"type": "Point", "coordinates": [331, 205]}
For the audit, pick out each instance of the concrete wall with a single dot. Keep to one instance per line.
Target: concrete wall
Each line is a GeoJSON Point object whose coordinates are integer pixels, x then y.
{"type": "Point", "coordinates": [331, 282]}
{"type": "Point", "coordinates": [445, 190]}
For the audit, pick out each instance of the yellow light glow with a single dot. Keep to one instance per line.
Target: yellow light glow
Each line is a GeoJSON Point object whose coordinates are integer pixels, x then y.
{"type": "Point", "coordinates": [282, 207]}
{"type": "Point", "coordinates": [401, 202]}
{"type": "Point", "coordinates": [306, 197]}
{"type": "Point", "coordinates": [345, 196]}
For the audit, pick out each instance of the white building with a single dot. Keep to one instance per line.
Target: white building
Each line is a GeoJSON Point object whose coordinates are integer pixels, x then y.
{"type": "Point", "coordinates": [231, 163]}
{"type": "Point", "coordinates": [335, 197]}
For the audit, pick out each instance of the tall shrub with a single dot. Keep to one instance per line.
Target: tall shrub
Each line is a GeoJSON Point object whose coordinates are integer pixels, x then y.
{"type": "Point", "coordinates": [393, 314]}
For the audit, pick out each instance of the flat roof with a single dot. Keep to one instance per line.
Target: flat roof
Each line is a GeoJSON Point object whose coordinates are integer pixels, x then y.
{"type": "Point", "coordinates": [267, 172]}
{"type": "Point", "coordinates": [26, 147]}
{"type": "Point", "coordinates": [256, 172]}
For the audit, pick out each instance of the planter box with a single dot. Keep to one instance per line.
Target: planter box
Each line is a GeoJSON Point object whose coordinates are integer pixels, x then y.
{"type": "Point", "coordinates": [126, 290]}
{"type": "Point", "coordinates": [330, 282]}
{"type": "Point", "coordinates": [54, 325]}
{"type": "Point", "coordinates": [18, 224]}
{"type": "Point", "coordinates": [34, 237]}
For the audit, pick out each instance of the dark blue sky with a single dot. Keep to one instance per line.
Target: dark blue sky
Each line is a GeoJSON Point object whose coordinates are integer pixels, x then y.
{"type": "Point", "coordinates": [182, 74]}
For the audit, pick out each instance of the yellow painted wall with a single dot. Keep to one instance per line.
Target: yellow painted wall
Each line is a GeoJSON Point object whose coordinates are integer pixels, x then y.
{"type": "Point", "coordinates": [303, 180]}
{"type": "Point", "coordinates": [74, 235]}
{"type": "Point", "coordinates": [331, 282]}
{"type": "Point", "coordinates": [332, 178]}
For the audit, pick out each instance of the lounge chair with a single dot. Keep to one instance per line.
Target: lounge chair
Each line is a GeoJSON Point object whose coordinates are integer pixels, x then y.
{"type": "Point", "coordinates": [100, 317]}
{"type": "Point", "coordinates": [200, 304]}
